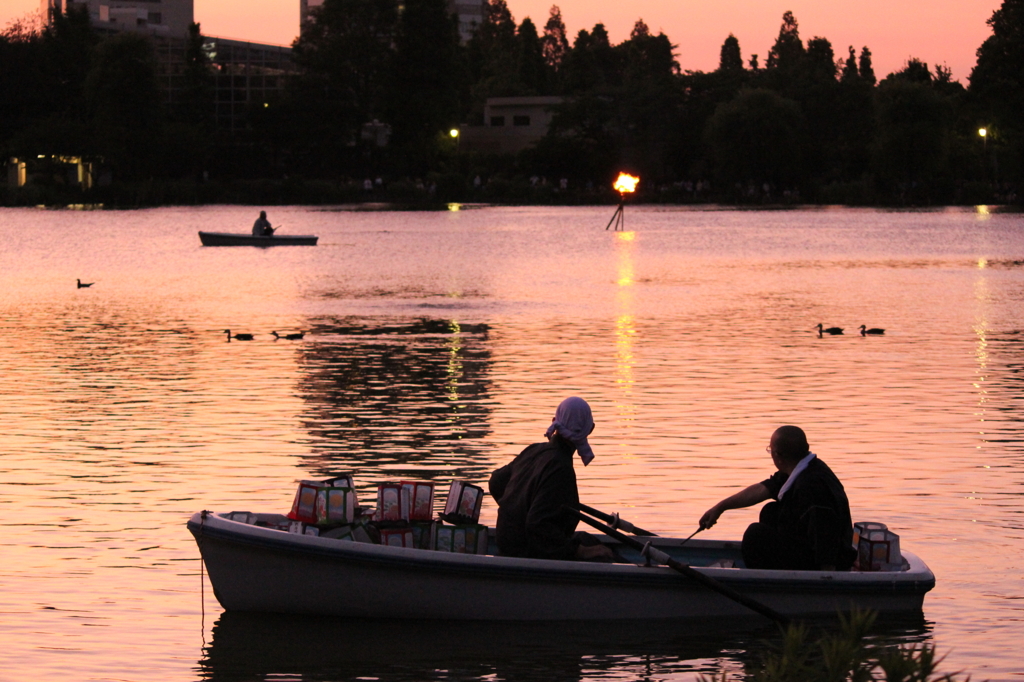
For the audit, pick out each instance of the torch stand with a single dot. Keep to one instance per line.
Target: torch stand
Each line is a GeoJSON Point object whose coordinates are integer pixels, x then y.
{"type": "Point", "coordinates": [619, 217]}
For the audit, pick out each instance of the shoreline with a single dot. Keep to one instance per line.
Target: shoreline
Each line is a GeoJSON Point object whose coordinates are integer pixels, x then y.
{"type": "Point", "coordinates": [408, 196]}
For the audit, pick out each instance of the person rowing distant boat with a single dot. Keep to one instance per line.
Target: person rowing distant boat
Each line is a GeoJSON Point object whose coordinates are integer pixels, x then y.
{"type": "Point", "coordinates": [808, 527]}
{"type": "Point", "coordinates": [262, 227]}
{"type": "Point", "coordinates": [534, 490]}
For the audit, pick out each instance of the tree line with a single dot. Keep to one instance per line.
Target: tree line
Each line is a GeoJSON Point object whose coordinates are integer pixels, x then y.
{"type": "Point", "coordinates": [803, 124]}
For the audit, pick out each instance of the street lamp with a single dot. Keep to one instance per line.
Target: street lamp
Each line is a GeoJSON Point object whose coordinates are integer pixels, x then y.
{"type": "Point", "coordinates": [983, 132]}
{"type": "Point", "coordinates": [454, 133]}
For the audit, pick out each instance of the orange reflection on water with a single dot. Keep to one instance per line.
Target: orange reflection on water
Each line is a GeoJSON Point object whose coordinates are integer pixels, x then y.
{"type": "Point", "coordinates": [625, 327]}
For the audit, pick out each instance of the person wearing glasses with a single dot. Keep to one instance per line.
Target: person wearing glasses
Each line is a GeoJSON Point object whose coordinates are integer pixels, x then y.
{"type": "Point", "coordinates": [808, 525]}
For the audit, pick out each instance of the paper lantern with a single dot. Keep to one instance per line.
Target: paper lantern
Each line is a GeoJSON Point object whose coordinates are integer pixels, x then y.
{"type": "Point", "coordinates": [460, 539]}
{"type": "Point", "coordinates": [422, 532]}
{"type": "Point", "coordinates": [878, 548]}
{"type": "Point", "coordinates": [397, 537]}
{"type": "Point", "coordinates": [463, 504]}
{"type": "Point", "coordinates": [335, 505]}
{"type": "Point", "coordinates": [304, 504]}
{"type": "Point", "coordinates": [302, 528]}
{"type": "Point", "coordinates": [421, 499]}
{"type": "Point", "coordinates": [392, 503]}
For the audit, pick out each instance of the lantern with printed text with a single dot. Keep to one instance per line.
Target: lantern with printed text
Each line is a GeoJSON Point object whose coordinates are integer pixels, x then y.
{"type": "Point", "coordinates": [397, 537]}
{"type": "Point", "coordinates": [421, 499]}
{"type": "Point", "coordinates": [393, 503]}
{"type": "Point", "coordinates": [335, 506]}
{"type": "Point", "coordinates": [460, 539]}
{"type": "Point", "coordinates": [305, 504]}
{"type": "Point", "coordinates": [463, 504]}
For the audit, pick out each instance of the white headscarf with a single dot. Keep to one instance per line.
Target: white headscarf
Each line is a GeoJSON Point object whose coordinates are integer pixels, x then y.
{"type": "Point", "coordinates": [573, 421]}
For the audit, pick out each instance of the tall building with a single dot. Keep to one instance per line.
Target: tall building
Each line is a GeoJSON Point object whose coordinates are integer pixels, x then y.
{"type": "Point", "coordinates": [470, 13]}
{"type": "Point", "coordinates": [305, 7]}
{"type": "Point", "coordinates": [169, 18]}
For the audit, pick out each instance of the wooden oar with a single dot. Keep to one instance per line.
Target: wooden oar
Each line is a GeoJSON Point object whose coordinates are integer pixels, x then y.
{"type": "Point", "coordinates": [650, 551]}
{"type": "Point", "coordinates": [617, 522]}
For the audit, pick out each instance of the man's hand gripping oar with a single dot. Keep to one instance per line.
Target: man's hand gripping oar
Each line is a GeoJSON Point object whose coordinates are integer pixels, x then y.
{"type": "Point", "coordinates": [654, 554]}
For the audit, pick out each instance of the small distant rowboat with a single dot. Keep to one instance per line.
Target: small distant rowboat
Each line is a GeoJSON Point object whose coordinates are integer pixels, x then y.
{"type": "Point", "coordinates": [254, 567]}
{"type": "Point", "coordinates": [241, 239]}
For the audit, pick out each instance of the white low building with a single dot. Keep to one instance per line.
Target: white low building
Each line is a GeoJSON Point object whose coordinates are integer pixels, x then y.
{"type": "Point", "coordinates": [511, 124]}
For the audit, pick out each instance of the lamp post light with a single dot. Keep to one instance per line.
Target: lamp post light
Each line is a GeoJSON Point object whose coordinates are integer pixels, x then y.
{"type": "Point", "coordinates": [983, 132]}
{"type": "Point", "coordinates": [454, 133]}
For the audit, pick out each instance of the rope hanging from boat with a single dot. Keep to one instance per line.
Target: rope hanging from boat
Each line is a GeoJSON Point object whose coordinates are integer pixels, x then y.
{"type": "Point", "coordinates": [202, 578]}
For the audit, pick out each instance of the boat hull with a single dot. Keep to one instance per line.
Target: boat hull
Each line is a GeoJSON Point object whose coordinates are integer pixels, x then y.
{"type": "Point", "coordinates": [239, 239]}
{"type": "Point", "coordinates": [259, 569]}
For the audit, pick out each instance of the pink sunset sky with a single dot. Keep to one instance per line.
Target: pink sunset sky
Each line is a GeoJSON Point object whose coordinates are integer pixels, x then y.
{"type": "Point", "coordinates": [935, 31]}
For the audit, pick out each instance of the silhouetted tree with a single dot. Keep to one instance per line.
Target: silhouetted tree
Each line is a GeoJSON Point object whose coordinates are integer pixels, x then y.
{"type": "Point", "coordinates": [493, 54]}
{"type": "Point", "coordinates": [345, 54]}
{"type": "Point", "coordinates": [426, 83]}
{"type": "Point", "coordinates": [556, 42]}
{"type": "Point", "coordinates": [867, 74]}
{"type": "Point", "coordinates": [756, 138]}
{"type": "Point", "coordinates": [820, 60]}
{"type": "Point", "coordinates": [591, 63]}
{"type": "Point", "coordinates": [730, 60]}
{"type": "Point", "coordinates": [534, 73]}
{"type": "Point", "coordinates": [912, 140]}
{"type": "Point", "coordinates": [997, 85]}
{"type": "Point", "coordinates": [855, 111]}
{"type": "Point", "coordinates": [121, 90]}
{"type": "Point", "coordinates": [788, 50]}
{"type": "Point", "coordinates": [850, 73]}
{"type": "Point", "coordinates": [913, 71]}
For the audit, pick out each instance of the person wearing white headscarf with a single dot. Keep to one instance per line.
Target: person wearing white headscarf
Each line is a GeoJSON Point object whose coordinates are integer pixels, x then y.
{"type": "Point", "coordinates": [533, 490]}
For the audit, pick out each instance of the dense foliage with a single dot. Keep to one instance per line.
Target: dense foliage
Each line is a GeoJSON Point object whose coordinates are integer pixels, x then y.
{"type": "Point", "coordinates": [844, 654]}
{"type": "Point", "coordinates": [804, 126]}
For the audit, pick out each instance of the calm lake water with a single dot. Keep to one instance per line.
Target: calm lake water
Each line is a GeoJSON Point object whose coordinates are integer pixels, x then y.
{"type": "Point", "coordinates": [437, 346]}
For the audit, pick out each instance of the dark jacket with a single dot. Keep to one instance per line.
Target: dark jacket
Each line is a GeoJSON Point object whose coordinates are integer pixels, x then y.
{"type": "Point", "coordinates": [815, 514]}
{"type": "Point", "coordinates": [531, 491]}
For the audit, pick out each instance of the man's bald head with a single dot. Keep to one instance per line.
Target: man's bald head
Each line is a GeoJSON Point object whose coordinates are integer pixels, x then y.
{"type": "Point", "coordinates": [789, 443]}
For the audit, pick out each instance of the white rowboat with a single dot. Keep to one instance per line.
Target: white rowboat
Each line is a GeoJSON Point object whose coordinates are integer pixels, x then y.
{"type": "Point", "coordinates": [261, 569]}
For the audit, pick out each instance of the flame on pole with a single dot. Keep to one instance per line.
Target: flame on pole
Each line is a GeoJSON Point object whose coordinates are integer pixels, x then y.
{"type": "Point", "coordinates": [624, 184]}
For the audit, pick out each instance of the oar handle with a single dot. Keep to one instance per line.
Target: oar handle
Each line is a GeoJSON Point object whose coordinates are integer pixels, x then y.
{"type": "Point", "coordinates": [656, 554]}
{"type": "Point", "coordinates": [617, 522]}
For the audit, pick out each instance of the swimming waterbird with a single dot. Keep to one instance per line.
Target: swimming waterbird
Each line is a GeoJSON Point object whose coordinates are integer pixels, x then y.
{"type": "Point", "coordinates": [834, 331]}
{"type": "Point", "coordinates": [864, 331]}
{"type": "Point", "coordinates": [239, 337]}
